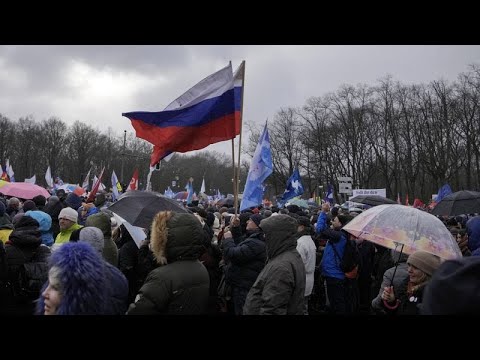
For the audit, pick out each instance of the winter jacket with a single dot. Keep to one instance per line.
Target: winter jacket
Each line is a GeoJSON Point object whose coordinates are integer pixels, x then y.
{"type": "Point", "coordinates": [64, 235]}
{"type": "Point", "coordinates": [280, 286]}
{"type": "Point", "coordinates": [45, 222]}
{"type": "Point", "coordinates": [308, 251]}
{"type": "Point", "coordinates": [473, 231]}
{"type": "Point", "coordinates": [401, 276]}
{"type": "Point", "coordinates": [181, 284]}
{"type": "Point", "coordinates": [245, 260]}
{"type": "Point", "coordinates": [330, 261]}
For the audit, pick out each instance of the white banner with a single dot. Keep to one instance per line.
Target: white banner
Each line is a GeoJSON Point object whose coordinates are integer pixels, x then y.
{"type": "Point", "coordinates": [380, 192]}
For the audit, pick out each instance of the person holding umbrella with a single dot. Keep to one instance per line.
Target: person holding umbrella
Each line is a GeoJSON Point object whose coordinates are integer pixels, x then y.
{"type": "Point", "coordinates": [406, 300]}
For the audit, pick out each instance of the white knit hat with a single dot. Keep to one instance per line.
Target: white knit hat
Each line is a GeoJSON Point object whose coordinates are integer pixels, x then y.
{"type": "Point", "coordinates": [69, 214]}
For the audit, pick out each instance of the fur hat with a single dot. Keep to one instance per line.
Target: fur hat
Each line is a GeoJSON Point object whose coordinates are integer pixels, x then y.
{"type": "Point", "coordinates": [82, 277]}
{"type": "Point", "coordinates": [256, 218]}
{"type": "Point", "coordinates": [424, 261]}
{"type": "Point", "coordinates": [454, 288]}
{"type": "Point", "coordinates": [69, 214]}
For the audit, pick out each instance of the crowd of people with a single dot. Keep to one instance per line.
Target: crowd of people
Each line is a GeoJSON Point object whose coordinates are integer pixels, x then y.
{"type": "Point", "coordinates": [66, 256]}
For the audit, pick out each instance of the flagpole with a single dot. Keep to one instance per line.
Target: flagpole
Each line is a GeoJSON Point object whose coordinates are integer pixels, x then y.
{"type": "Point", "coordinates": [237, 179]}
{"type": "Point", "coordinates": [235, 194]}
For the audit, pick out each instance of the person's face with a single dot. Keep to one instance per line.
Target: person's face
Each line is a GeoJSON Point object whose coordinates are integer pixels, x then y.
{"type": "Point", "coordinates": [336, 223]}
{"type": "Point", "coordinates": [52, 295]}
{"type": "Point", "coordinates": [416, 275]}
{"type": "Point", "coordinates": [251, 225]}
{"type": "Point", "coordinates": [65, 223]}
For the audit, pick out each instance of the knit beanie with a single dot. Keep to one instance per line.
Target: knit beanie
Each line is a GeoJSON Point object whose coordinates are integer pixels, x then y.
{"type": "Point", "coordinates": [424, 261]}
{"type": "Point", "coordinates": [69, 214]}
{"type": "Point", "coordinates": [454, 288]}
{"type": "Point", "coordinates": [93, 236]}
{"type": "Point", "coordinates": [256, 218]}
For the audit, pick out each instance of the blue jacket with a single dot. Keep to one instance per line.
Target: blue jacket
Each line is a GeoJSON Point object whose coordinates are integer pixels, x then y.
{"type": "Point", "coordinates": [473, 231]}
{"type": "Point", "coordinates": [330, 261]}
{"type": "Point", "coordinates": [45, 225]}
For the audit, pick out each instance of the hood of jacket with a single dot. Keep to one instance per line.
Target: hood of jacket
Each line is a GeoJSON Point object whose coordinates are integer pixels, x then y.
{"type": "Point", "coordinates": [44, 220]}
{"type": "Point", "coordinates": [473, 231]}
{"type": "Point", "coordinates": [280, 234]}
{"type": "Point", "coordinates": [26, 233]}
{"type": "Point", "coordinates": [101, 221]}
{"type": "Point", "coordinates": [176, 237]}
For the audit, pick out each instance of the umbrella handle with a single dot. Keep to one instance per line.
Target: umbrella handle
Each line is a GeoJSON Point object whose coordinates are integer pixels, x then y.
{"type": "Point", "coordinates": [396, 265]}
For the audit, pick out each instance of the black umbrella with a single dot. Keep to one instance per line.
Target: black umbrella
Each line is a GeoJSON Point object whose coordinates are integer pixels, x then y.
{"type": "Point", "coordinates": [372, 200]}
{"type": "Point", "coordinates": [228, 202]}
{"type": "Point", "coordinates": [139, 207]}
{"type": "Point", "coordinates": [458, 203]}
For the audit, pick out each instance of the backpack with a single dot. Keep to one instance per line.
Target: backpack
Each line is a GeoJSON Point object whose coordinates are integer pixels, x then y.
{"type": "Point", "coordinates": [30, 278]}
{"type": "Point", "coordinates": [351, 259]}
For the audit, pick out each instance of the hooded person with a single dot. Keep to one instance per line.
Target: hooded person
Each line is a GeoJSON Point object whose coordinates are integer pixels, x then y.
{"type": "Point", "coordinates": [103, 222]}
{"type": "Point", "coordinates": [308, 251]}
{"type": "Point", "coordinates": [280, 286]}
{"type": "Point", "coordinates": [473, 231]}
{"type": "Point", "coordinates": [77, 282]}
{"type": "Point", "coordinates": [45, 225]}
{"type": "Point", "coordinates": [180, 285]}
{"type": "Point", "coordinates": [116, 281]}
{"type": "Point", "coordinates": [29, 205]}
{"type": "Point", "coordinates": [25, 246]}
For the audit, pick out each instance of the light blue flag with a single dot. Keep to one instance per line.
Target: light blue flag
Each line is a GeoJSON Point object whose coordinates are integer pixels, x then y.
{"type": "Point", "coordinates": [115, 193]}
{"type": "Point", "coordinates": [260, 168]}
{"type": "Point", "coordinates": [189, 188]}
{"type": "Point", "coordinates": [294, 188]}
{"type": "Point", "coordinates": [169, 193]}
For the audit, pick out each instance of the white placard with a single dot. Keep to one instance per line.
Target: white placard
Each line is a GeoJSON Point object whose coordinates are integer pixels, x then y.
{"type": "Point", "coordinates": [380, 192]}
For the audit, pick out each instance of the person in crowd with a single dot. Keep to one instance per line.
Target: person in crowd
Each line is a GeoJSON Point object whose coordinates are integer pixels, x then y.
{"type": "Point", "coordinates": [40, 202]}
{"type": "Point", "coordinates": [67, 219]}
{"type": "Point", "coordinates": [461, 237]}
{"type": "Point", "coordinates": [102, 221]}
{"type": "Point", "coordinates": [13, 207]}
{"type": "Point", "coordinates": [473, 232]}
{"type": "Point", "coordinates": [6, 226]}
{"type": "Point", "coordinates": [77, 282]}
{"type": "Point", "coordinates": [45, 225]}
{"type": "Point", "coordinates": [340, 290]}
{"type": "Point", "coordinates": [400, 269]}
{"type": "Point", "coordinates": [454, 289]}
{"type": "Point", "coordinates": [406, 300]}
{"type": "Point", "coordinates": [280, 286]}
{"type": "Point", "coordinates": [28, 205]}
{"type": "Point", "coordinates": [116, 281]}
{"type": "Point", "coordinates": [180, 285]}
{"type": "Point", "coordinates": [25, 246]}
{"type": "Point", "coordinates": [53, 208]}
{"type": "Point", "coordinates": [308, 251]}
{"type": "Point", "coordinates": [244, 260]}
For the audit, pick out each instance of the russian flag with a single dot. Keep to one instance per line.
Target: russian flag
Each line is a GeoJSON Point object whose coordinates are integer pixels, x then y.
{"type": "Point", "coordinates": [208, 113]}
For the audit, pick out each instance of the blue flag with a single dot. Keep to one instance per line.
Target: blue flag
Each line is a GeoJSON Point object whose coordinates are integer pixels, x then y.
{"type": "Point", "coordinates": [443, 191]}
{"type": "Point", "coordinates": [260, 168]}
{"type": "Point", "coordinates": [329, 196]}
{"type": "Point", "coordinates": [294, 188]}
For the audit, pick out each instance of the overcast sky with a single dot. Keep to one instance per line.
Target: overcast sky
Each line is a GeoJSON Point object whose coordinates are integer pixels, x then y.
{"type": "Point", "coordinates": [95, 84]}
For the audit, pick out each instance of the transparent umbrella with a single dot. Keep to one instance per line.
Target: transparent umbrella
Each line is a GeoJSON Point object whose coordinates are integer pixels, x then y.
{"type": "Point", "coordinates": [395, 225]}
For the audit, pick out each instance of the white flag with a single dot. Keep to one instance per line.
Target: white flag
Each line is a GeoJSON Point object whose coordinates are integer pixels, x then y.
{"type": "Point", "coordinates": [101, 186]}
{"type": "Point", "coordinates": [32, 180]}
{"type": "Point", "coordinates": [86, 181]}
{"type": "Point", "coordinates": [202, 189]}
{"type": "Point", "coordinates": [115, 194]}
{"type": "Point", "coordinates": [48, 177]}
